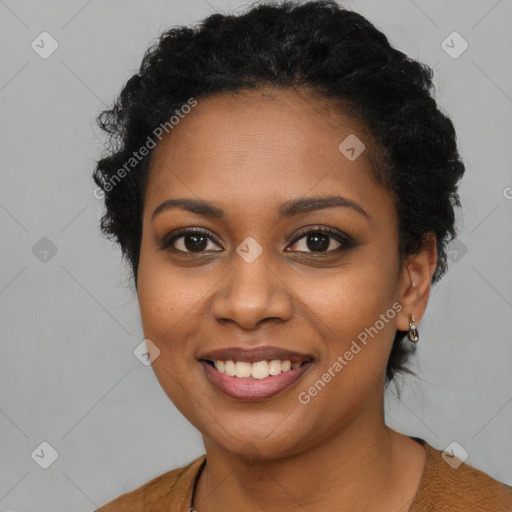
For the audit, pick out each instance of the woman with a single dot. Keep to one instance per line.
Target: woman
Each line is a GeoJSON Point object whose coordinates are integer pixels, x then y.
{"type": "Point", "coordinates": [283, 187]}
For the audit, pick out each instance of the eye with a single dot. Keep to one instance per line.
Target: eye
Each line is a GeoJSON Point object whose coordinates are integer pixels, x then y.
{"type": "Point", "coordinates": [322, 240]}
{"type": "Point", "coordinates": [319, 240]}
{"type": "Point", "coordinates": [189, 241]}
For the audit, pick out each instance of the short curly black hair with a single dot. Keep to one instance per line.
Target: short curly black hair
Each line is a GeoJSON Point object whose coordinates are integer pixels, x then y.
{"type": "Point", "coordinates": [319, 46]}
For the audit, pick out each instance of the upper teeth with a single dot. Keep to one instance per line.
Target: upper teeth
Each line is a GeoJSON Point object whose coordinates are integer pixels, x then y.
{"type": "Point", "coordinates": [259, 370]}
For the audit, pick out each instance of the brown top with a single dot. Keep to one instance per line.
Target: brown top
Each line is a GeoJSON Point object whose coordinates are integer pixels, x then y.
{"type": "Point", "coordinates": [442, 489]}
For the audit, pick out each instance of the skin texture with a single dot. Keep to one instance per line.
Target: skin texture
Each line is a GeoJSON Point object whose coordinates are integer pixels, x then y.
{"type": "Point", "coordinates": [248, 153]}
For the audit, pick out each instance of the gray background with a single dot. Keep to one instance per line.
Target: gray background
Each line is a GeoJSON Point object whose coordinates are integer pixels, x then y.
{"type": "Point", "coordinates": [70, 322]}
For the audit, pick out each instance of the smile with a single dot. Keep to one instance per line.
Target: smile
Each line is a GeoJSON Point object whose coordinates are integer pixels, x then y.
{"type": "Point", "coordinates": [260, 380]}
{"type": "Point", "coordinates": [258, 370]}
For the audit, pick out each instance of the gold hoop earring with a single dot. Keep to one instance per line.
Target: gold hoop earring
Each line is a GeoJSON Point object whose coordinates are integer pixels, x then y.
{"type": "Point", "coordinates": [413, 330]}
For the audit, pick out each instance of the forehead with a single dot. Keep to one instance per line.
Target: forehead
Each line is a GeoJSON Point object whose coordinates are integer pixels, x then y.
{"type": "Point", "coordinates": [289, 118]}
{"type": "Point", "coordinates": [258, 146]}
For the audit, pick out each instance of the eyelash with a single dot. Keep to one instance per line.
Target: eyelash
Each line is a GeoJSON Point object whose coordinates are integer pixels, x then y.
{"type": "Point", "coordinates": [346, 241]}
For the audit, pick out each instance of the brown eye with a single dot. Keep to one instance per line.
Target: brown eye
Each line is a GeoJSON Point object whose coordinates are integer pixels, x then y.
{"type": "Point", "coordinates": [191, 241]}
{"type": "Point", "coordinates": [316, 242]}
{"type": "Point", "coordinates": [322, 241]}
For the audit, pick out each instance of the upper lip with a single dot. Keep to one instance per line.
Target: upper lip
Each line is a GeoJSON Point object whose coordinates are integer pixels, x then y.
{"type": "Point", "coordinates": [253, 355]}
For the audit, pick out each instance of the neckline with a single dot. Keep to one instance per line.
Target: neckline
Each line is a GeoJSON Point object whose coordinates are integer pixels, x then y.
{"type": "Point", "coordinates": [192, 488]}
{"type": "Point", "coordinates": [419, 497]}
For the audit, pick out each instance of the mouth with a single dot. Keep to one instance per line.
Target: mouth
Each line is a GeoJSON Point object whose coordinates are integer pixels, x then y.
{"type": "Point", "coordinates": [254, 374]}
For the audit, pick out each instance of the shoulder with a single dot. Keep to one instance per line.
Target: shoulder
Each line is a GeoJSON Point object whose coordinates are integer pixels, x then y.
{"type": "Point", "coordinates": [158, 493]}
{"type": "Point", "coordinates": [456, 486]}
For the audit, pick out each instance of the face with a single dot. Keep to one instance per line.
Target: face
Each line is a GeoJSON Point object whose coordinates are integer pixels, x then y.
{"type": "Point", "coordinates": [257, 272]}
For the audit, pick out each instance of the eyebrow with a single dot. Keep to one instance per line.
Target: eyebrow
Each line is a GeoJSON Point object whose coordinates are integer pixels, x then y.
{"type": "Point", "coordinates": [285, 210]}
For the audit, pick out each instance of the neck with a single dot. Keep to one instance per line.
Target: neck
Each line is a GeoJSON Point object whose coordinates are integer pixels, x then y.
{"type": "Point", "coordinates": [364, 462]}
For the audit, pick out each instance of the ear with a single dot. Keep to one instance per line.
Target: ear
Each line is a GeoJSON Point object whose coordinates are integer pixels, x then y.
{"type": "Point", "coordinates": [416, 281]}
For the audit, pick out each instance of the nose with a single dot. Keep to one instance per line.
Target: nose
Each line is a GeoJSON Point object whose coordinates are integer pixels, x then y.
{"type": "Point", "coordinates": [252, 294]}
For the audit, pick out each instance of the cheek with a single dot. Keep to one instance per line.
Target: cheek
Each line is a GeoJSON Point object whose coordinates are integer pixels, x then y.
{"type": "Point", "coordinates": [354, 296]}
{"type": "Point", "coordinates": [168, 306]}
{"type": "Point", "coordinates": [169, 298]}
{"type": "Point", "coordinates": [357, 310]}
{"type": "Point", "coordinates": [357, 318]}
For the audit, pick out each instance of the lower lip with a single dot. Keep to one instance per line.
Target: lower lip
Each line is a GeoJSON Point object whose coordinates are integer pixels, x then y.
{"type": "Point", "coordinates": [249, 388]}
